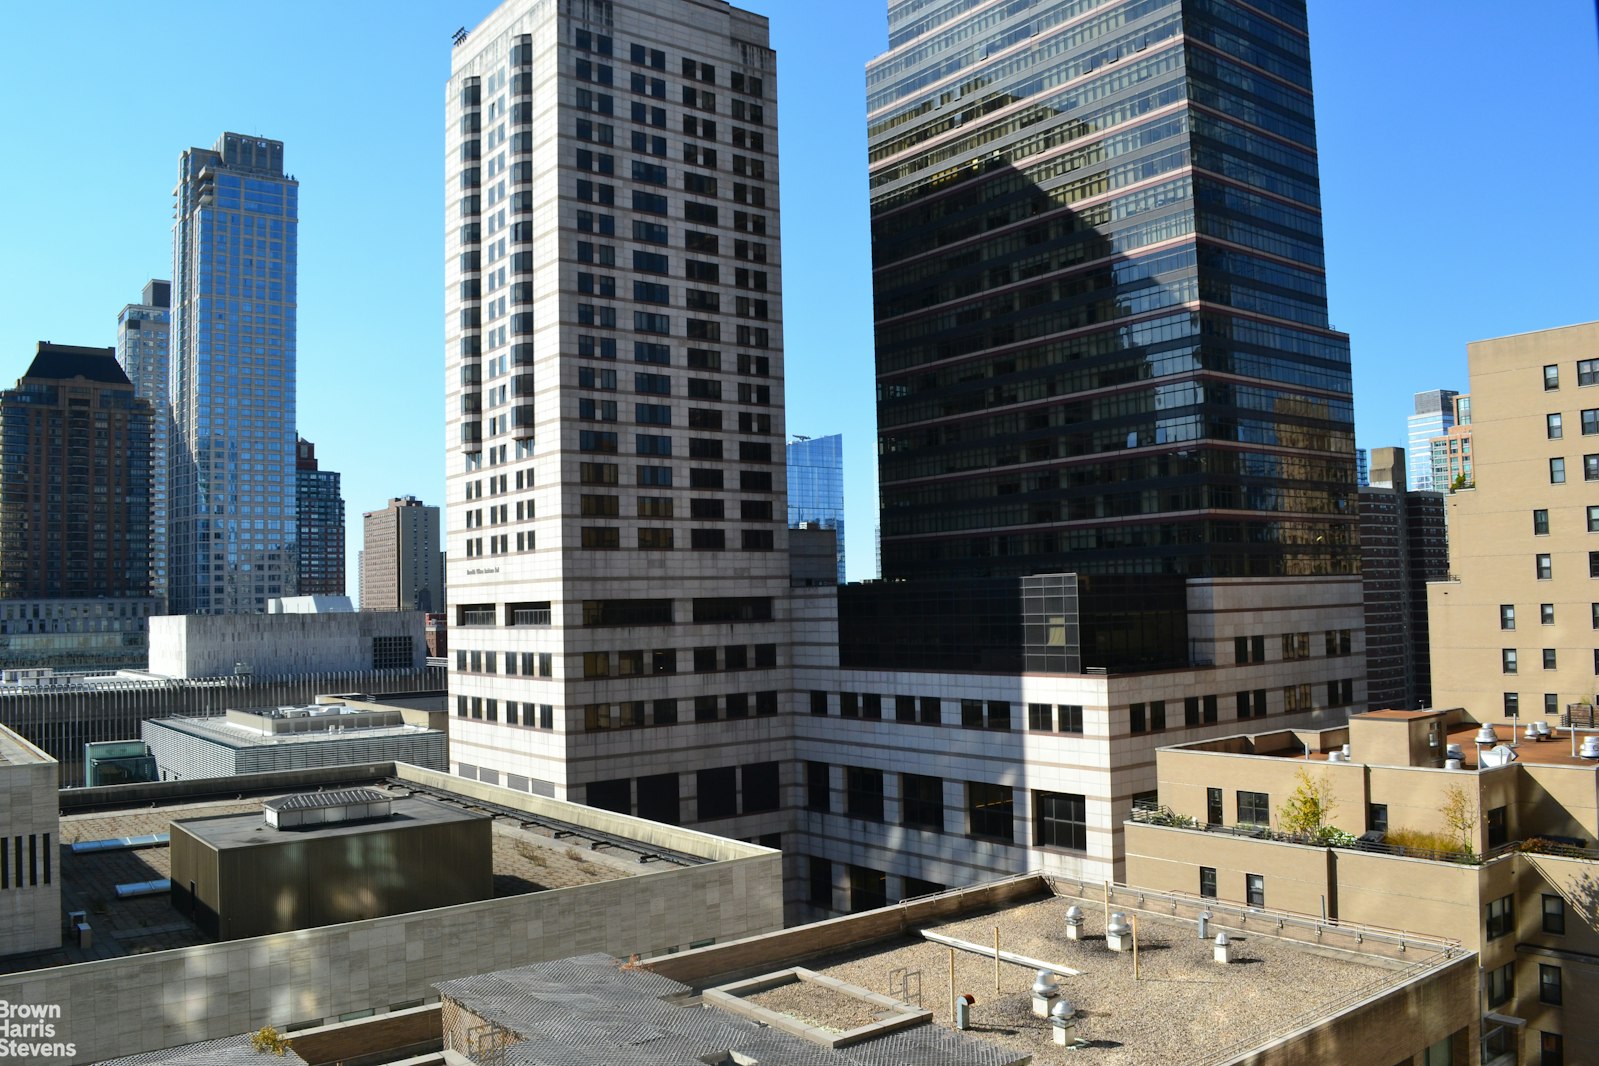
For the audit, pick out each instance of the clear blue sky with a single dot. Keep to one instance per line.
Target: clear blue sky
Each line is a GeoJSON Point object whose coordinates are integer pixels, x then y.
{"type": "Point", "coordinates": [1458, 146]}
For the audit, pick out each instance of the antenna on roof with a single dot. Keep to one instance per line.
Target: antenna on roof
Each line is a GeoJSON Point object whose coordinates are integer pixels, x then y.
{"type": "Point", "coordinates": [458, 38]}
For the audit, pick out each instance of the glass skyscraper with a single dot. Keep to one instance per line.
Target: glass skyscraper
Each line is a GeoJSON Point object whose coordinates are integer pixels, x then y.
{"type": "Point", "coordinates": [231, 493]}
{"type": "Point", "coordinates": [816, 486]}
{"type": "Point", "coordinates": [1435, 413]}
{"type": "Point", "coordinates": [144, 338]}
{"type": "Point", "coordinates": [1102, 335]}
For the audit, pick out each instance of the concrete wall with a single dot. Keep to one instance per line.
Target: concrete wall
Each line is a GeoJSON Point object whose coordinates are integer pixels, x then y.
{"type": "Point", "coordinates": [1394, 1026]}
{"type": "Point", "coordinates": [30, 913]}
{"type": "Point", "coordinates": [275, 645]}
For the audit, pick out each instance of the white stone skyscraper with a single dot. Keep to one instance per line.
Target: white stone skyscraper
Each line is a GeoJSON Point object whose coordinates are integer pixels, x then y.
{"type": "Point", "coordinates": [616, 513]}
{"type": "Point", "coordinates": [231, 490]}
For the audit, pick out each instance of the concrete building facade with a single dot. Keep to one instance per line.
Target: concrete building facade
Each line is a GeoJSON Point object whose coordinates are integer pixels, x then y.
{"type": "Point", "coordinates": [401, 565]}
{"type": "Point", "coordinates": [1513, 630]}
{"type": "Point", "coordinates": [289, 738]}
{"type": "Point", "coordinates": [617, 533]}
{"type": "Point", "coordinates": [144, 343]}
{"type": "Point", "coordinates": [231, 490]}
{"type": "Point", "coordinates": [30, 821]}
{"type": "Point", "coordinates": [286, 645]}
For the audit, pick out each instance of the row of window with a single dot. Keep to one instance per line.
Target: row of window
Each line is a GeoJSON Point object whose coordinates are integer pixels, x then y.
{"type": "Point", "coordinates": [1587, 374]}
{"type": "Point", "coordinates": [1546, 615]}
{"type": "Point", "coordinates": [1252, 649]}
{"type": "Point", "coordinates": [1059, 819]}
{"type": "Point", "coordinates": [1510, 661]}
{"type": "Point", "coordinates": [1254, 886]}
{"type": "Point", "coordinates": [533, 716]}
{"type": "Point", "coordinates": [1544, 566]}
{"type": "Point", "coordinates": [1501, 986]}
{"type": "Point", "coordinates": [1555, 429]}
{"type": "Point", "coordinates": [1557, 469]}
{"type": "Point", "coordinates": [719, 792]}
{"type": "Point", "coordinates": [609, 538]}
{"type": "Point", "coordinates": [25, 867]}
{"type": "Point", "coordinates": [929, 710]}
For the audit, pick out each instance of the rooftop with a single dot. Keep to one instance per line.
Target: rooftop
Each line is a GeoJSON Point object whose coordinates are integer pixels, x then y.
{"type": "Point", "coordinates": [879, 987]}
{"type": "Point", "coordinates": [16, 751]}
{"type": "Point", "coordinates": [275, 726]}
{"type": "Point", "coordinates": [527, 858]}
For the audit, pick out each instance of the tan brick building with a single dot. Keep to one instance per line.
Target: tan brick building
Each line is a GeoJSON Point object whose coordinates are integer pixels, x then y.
{"type": "Point", "coordinates": [1516, 630]}
{"type": "Point", "coordinates": [1504, 865]}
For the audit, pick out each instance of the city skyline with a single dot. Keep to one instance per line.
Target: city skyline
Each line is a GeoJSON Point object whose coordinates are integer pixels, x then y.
{"type": "Point", "coordinates": [369, 255]}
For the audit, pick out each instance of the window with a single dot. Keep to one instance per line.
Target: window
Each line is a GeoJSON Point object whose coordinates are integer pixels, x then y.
{"type": "Point", "coordinates": [1498, 832]}
{"type": "Point", "coordinates": [1551, 702]}
{"type": "Point", "coordinates": [1590, 422]}
{"type": "Point", "coordinates": [863, 793]}
{"type": "Point", "coordinates": [1593, 564]}
{"type": "Point", "coordinates": [1545, 568]}
{"type": "Point", "coordinates": [1207, 882]}
{"type": "Point", "coordinates": [1501, 984]}
{"type": "Point", "coordinates": [1501, 917]}
{"type": "Point", "coordinates": [1546, 614]}
{"type": "Point", "coordinates": [1071, 717]}
{"type": "Point", "coordinates": [761, 787]}
{"type": "Point", "coordinates": [1060, 820]}
{"type": "Point", "coordinates": [971, 714]}
{"type": "Point", "coordinates": [1590, 468]}
{"type": "Point", "coordinates": [821, 883]}
{"type": "Point", "coordinates": [1377, 818]}
{"type": "Point", "coordinates": [1540, 523]}
{"type": "Point", "coordinates": [818, 787]}
{"type": "Point", "coordinates": [1551, 378]}
{"type": "Point", "coordinates": [1557, 471]}
{"type": "Point", "coordinates": [1507, 660]}
{"type": "Point", "coordinates": [868, 889]}
{"type": "Point", "coordinates": [991, 811]}
{"type": "Point", "coordinates": [904, 708]}
{"type": "Point", "coordinates": [1549, 984]}
{"type": "Point", "coordinates": [1507, 616]}
{"type": "Point", "coordinates": [1254, 808]}
{"type": "Point", "coordinates": [922, 801]}
{"type": "Point", "coordinates": [1552, 1046]}
{"type": "Point", "coordinates": [1040, 718]}
{"type": "Point", "coordinates": [819, 703]}
{"type": "Point", "coordinates": [1588, 371]}
{"type": "Point", "coordinates": [718, 792]}
{"type": "Point", "coordinates": [1549, 658]}
{"type": "Point", "coordinates": [998, 714]}
{"type": "Point", "coordinates": [931, 708]}
{"type": "Point", "coordinates": [1512, 704]}
{"type": "Point", "coordinates": [1255, 890]}
{"type": "Point", "coordinates": [1552, 427]}
{"type": "Point", "coordinates": [1554, 915]}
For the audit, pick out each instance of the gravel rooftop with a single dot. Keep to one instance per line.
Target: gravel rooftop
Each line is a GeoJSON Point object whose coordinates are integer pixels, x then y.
{"type": "Point", "coordinates": [1184, 1008]}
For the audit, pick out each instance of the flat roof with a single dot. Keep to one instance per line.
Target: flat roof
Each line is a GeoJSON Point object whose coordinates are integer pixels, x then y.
{"type": "Point", "coordinates": [527, 858]}
{"type": "Point", "coordinates": [217, 729]}
{"type": "Point", "coordinates": [1399, 716]}
{"type": "Point", "coordinates": [250, 830]}
{"type": "Point", "coordinates": [829, 1006]}
{"type": "Point", "coordinates": [15, 750]}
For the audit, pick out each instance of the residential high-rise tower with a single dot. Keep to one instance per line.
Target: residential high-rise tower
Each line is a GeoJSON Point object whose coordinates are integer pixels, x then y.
{"type": "Point", "coordinates": [319, 514]}
{"type": "Point", "coordinates": [231, 491]}
{"type": "Point", "coordinates": [401, 568]}
{"type": "Point", "coordinates": [144, 333]}
{"type": "Point", "coordinates": [617, 524]}
{"type": "Point", "coordinates": [75, 444]}
{"type": "Point", "coordinates": [1102, 336]}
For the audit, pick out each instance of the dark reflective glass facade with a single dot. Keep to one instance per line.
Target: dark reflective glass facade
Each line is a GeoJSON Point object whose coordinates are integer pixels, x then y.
{"type": "Point", "coordinates": [1102, 338]}
{"type": "Point", "coordinates": [1045, 623]}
